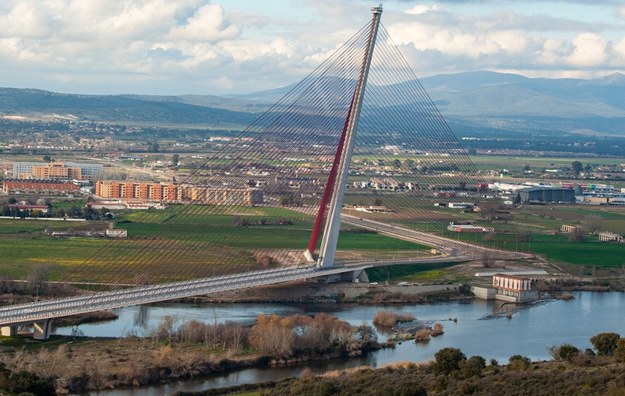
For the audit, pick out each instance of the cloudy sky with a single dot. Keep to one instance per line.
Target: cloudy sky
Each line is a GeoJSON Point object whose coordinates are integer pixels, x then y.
{"type": "Point", "coordinates": [238, 46]}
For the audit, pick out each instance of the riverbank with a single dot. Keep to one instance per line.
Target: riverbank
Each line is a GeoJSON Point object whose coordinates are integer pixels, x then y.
{"type": "Point", "coordinates": [76, 365]}
{"type": "Point", "coordinates": [596, 376]}
{"type": "Point", "coordinates": [311, 292]}
{"type": "Point", "coordinates": [560, 321]}
{"type": "Point", "coordinates": [192, 349]}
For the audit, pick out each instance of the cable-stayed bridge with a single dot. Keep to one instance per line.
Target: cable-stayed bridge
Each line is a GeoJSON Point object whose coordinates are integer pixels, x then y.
{"type": "Point", "coordinates": [359, 129]}
{"type": "Point", "coordinates": [40, 314]}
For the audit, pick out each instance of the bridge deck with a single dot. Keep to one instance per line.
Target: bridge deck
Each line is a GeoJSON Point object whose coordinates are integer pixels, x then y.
{"type": "Point", "coordinates": [22, 314]}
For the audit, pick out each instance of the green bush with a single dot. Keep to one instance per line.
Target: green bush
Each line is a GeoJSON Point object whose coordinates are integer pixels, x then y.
{"type": "Point", "coordinates": [619, 352]}
{"type": "Point", "coordinates": [24, 382]}
{"type": "Point", "coordinates": [605, 343]}
{"type": "Point", "coordinates": [564, 352]}
{"type": "Point", "coordinates": [447, 360]}
{"type": "Point", "coordinates": [472, 367]}
{"type": "Point", "coordinates": [519, 363]}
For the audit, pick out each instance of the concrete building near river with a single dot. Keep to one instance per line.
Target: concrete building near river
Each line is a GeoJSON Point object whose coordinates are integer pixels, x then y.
{"type": "Point", "coordinates": [509, 288]}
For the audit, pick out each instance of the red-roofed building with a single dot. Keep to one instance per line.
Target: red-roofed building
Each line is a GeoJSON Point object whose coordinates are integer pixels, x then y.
{"type": "Point", "coordinates": [514, 288]}
{"type": "Point", "coordinates": [29, 208]}
{"type": "Point", "coordinates": [44, 187]}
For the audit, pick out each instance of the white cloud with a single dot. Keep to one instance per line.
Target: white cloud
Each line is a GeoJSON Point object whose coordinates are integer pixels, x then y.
{"type": "Point", "coordinates": [589, 50]}
{"type": "Point", "coordinates": [551, 53]}
{"type": "Point", "coordinates": [26, 19]}
{"type": "Point", "coordinates": [421, 9]}
{"type": "Point", "coordinates": [208, 23]}
{"type": "Point", "coordinates": [454, 41]}
{"type": "Point", "coordinates": [619, 53]}
{"type": "Point", "coordinates": [201, 45]}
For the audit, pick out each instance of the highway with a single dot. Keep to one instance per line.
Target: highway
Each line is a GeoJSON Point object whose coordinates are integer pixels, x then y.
{"type": "Point", "coordinates": [451, 250]}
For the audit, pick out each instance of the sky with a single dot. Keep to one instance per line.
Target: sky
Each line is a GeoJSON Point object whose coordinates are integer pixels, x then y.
{"type": "Point", "coordinates": [174, 47]}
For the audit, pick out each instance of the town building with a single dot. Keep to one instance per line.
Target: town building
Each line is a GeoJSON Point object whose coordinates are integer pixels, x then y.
{"type": "Point", "coordinates": [148, 191]}
{"type": "Point", "coordinates": [372, 209]}
{"type": "Point", "coordinates": [543, 195]}
{"type": "Point", "coordinates": [58, 171]}
{"type": "Point", "coordinates": [460, 205]}
{"type": "Point", "coordinates": [570, 228]}
{"type": "Point", "coordinates": [175, 193]}
{"type": "Point", "coordinates": [121, 204]}
{"type": "Point", "coordinates": [468, 228]}
{"type": "Point", "coordinates": [514, 288]}
{"type": "Point", "coordinates": [28, 209]}
{"type": "Point", "coordinates": [41, 187]}
{"type": "Point", "coordinates": [116, 233]}
{"type": "Point", "coordinates": [610, 237]}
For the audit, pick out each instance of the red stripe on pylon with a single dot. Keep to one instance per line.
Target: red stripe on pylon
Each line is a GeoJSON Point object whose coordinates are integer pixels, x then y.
{"type": "Point", "coordinates": [327, 192]}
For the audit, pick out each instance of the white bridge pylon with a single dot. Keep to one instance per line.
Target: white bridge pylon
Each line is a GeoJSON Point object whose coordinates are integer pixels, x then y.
{"type": "Point", "coordinates": [338, 181]}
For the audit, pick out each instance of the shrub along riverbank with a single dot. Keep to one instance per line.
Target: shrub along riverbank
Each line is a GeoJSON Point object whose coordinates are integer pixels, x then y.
{"type": "Point", "coordinates": [572, 372]}
{"type": "Point", "coordinates": [63, 365]}
{"type": "Point", "coordinates": [187, 350]}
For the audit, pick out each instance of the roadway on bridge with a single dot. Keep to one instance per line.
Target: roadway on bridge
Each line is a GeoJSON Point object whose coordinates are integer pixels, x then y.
{"type": "Point", "coordinates": [45, 310]}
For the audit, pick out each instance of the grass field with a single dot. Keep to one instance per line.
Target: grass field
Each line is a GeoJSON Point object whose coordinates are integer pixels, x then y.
{"type": "Point", "coordinates": [408, 272]}
{"type": "Point", "coordinates": [173, 245]}
{"type": "Point", "coordinates": [559, 249]}
{"type": "Point", "coordinates": [516, 162]}
{"type": "Point", "coordinates": [177, 244]}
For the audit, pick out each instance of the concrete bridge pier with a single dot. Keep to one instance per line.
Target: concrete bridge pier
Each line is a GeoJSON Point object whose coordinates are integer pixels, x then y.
{"type": "Point", "coordinates": [8, 331]}
{"type": "Point", "coordinates": [357, 275]}
{"type": "Point", "coordinates": [41, 330]}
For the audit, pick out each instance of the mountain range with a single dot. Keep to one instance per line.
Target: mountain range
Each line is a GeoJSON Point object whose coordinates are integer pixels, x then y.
{"type": "Point", "coordinates": [479, 102]}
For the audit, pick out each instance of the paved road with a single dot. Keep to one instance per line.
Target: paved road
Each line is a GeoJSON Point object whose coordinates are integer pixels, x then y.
{"type": "Point", "coordinates": [451, 250]}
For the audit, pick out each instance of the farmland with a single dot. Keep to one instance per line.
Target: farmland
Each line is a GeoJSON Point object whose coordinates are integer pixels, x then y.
{"type": "Point", "coordinates": [170, 245]}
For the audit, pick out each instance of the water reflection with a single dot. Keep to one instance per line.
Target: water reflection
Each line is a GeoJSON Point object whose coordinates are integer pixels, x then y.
{"type": "Point", "coordinates": [142, 317]}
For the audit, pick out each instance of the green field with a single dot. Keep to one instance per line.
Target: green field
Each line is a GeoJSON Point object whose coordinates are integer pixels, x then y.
{"type": "Point", "coordinates": [486, 162]}
{"type": "Point", "coordinates": [559, 249]}
{"type": "Point", "coordinates": [408, 272]}
{"type": "Point", "coordinates": [177, 243]}
{"type": "Point", "coordinates": [174, 245]}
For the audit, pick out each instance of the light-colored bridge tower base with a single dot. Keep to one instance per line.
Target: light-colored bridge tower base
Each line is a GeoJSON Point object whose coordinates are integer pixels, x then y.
{"type": "Point", "coordinates": [8, 331]}
{"type": "Point", "coordinates": [41, 330]}
{"type": "Point", "coordinates": [357, 275]}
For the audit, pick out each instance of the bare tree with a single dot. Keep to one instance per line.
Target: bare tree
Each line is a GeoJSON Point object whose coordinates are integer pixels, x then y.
{"type": "Point", "coordinates": [593, 223]}
{"type": "Point", "coordinates": [577, 235]}
{"type": "Point", "coordinates": [6, 284]}
{"type": "Point", "coordinates": [37, 280]}
{"type": "Point", "coordinates": [488, 259]}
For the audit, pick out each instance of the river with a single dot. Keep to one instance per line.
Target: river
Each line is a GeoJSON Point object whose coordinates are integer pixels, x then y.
{"type": "Point", "coordinates": [530, 332]}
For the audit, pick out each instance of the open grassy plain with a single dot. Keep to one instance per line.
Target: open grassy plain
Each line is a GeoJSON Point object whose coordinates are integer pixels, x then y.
{"type": "Point", "coordinates": [171, 245]}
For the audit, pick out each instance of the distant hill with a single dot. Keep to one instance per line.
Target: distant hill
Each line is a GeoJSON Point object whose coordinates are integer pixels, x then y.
{"type": "Point", "coordinates": [118, 108]}
{"type": "Point", "coordinates": [474, 102]}
{"type": "Point", "coordinates": [516, 103]}
{"type": "Point", "coordinates": [489, 101]}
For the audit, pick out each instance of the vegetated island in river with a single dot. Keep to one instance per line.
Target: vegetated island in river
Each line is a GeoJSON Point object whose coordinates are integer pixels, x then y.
{"type": "Point", "coordinates": [63, 365]}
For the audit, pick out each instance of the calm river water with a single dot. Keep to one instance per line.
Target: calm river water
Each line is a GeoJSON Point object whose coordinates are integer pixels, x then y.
{"type": "Point", "coordinates": [530, 332]}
